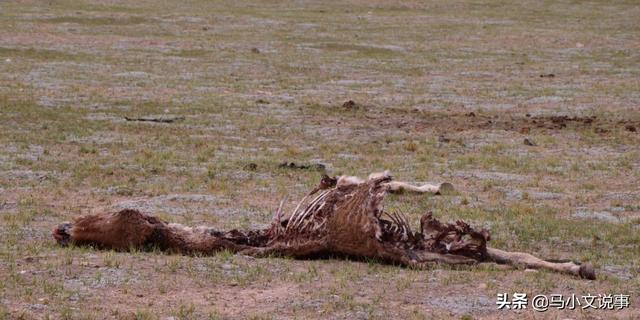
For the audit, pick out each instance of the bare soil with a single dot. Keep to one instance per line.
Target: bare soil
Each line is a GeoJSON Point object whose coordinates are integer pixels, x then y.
{"type": "Point", "coordinates": [432, 91]}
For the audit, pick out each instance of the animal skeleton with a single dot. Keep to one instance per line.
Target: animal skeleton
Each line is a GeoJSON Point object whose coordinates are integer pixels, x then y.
{"type": "Point", "coordinates": [342, 216]}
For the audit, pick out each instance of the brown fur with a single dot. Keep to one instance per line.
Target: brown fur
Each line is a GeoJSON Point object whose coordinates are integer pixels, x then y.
{"type": "Point", "coordinates": [345, 218]}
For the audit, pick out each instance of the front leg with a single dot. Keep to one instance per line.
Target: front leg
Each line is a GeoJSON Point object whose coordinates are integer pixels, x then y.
{"type": "Point", "coordinates": [298, 250]}
{"type": "Point", "coordinates": [419, 259]}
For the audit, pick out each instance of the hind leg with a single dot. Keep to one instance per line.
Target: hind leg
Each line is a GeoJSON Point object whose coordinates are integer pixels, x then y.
{"type": "Point", "coordinates": [519, 258]}
{"type": "Point", "coordinates": [399, 186]}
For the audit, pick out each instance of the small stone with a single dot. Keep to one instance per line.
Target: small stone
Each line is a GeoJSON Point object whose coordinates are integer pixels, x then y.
{"type": "Point", "coordinates": [446, 188]}
{"type": "Point", "coordinates": [529, 142]}
{"type": "Point", "coordinates": [350, 105]}
{"type": "Point", "coordinates": [227, 266]}
{"type": "Point", "coordinates": [250, 167]}
{"type": "Point", "coordinates": [37, 307]}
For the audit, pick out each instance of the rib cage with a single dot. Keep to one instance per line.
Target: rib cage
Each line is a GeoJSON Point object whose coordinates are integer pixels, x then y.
{"type": "Point", "coordinates": [359, 205]}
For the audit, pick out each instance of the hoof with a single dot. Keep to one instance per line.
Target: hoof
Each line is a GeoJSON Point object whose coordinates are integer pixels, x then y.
{"type": "Point", "coordinates": [62, 233]}
{"type": "Point", "coordinates": [587, 271]}
{"type": "Point", "coordinates": [446, 188]}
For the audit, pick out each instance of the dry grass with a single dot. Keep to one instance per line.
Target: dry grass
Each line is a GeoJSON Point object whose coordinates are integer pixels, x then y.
{"type": "Point", "coordinates": [264, 83]}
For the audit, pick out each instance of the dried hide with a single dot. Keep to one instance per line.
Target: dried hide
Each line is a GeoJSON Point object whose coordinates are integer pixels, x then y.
{"type": "Point", "coordinates": [342, 216]}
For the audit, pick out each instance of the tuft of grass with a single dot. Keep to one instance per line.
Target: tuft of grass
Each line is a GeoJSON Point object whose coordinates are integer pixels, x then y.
{"type": "Point", "coordinates": [185, 311]}
{"type": "Point", "coordinates": [41, 54]}
{"type": "Point", "coordinates": [144, 314]}
{"type": "Point", "coordinates": [174, 264]}
{"type": "Point", "coordinates": [111, 259]}
{"type": "Point", "coordinates": [190, 53]}
{"type": "Point", "coordinates": [98, 21]}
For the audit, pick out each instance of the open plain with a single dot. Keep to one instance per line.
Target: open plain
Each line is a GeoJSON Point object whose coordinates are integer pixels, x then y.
{"type": "Point", "coordinates": [531, 109]}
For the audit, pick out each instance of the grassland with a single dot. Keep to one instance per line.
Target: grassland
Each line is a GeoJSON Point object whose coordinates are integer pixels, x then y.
{"type": "Point", "coordinates": [446, 91]}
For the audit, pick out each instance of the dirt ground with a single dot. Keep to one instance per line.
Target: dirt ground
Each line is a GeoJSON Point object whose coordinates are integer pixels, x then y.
{"type": "Point", "coordinates": [531, 109]}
